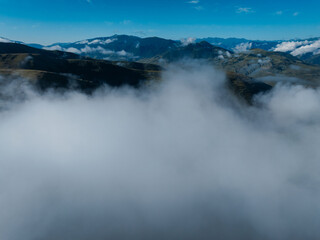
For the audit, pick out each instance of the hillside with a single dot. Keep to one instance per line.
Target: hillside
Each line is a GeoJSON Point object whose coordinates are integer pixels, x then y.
{"type": "Point", "coordinates": [55, 69]}
{"type": "Point", "coordinates": [202, 50]}
{"type": "Point", "coordinates": [59, 69]}
{"type": "Point", "coordinates": [272, 67]}
{"type": "Point", "coordinates": [265, 66]}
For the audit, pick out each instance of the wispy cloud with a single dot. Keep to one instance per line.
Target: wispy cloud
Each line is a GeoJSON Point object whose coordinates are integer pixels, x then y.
{"type": "Point", "coordinates": [244, 10]}
{"type": "Point", "coordinates": [143, 33]}
{"type": "Point", "coordinates": [187, 41]}
{"type": "Point", "coordinates": [89, 1]}
{"type": "Point", "coordinates": [296, 14]}
{"type": "Point", "coordinates": [199, 8]}
{"type": "Point", "coordinates": [126, 22]}
{"type": "Point", "coordinates": [279, 13]}
{"type": "Point", "coordinates": [194, 2]}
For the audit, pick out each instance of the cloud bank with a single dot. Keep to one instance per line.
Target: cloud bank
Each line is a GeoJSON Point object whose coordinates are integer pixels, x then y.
{"type": "Point", "coordinates": [298, 48]}
{"type": "Point", "coordinates": [243, 47]}
{"type": "Point", "coordinates": [179, 160]}
{"type": "Point", "coordinates": [93, 50]}
{"type": "Point", "coordinates": [4, 40]}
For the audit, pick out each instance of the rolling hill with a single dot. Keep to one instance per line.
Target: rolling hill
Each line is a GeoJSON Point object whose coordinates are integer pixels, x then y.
{"type": "Point", "coordinates": [265, 66]}
{"type": "Point", "coordinates": [59, 69]}
{"type": "Point", "coordinates": [46, 69]}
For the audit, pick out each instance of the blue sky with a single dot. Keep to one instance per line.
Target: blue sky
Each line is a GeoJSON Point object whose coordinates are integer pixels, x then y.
{"type": "Point", "coordinates": [70, 20]}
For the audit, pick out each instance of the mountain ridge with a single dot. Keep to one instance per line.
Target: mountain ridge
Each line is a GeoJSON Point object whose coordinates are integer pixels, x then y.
{"type": "Point", "coordinates": [133, 48]}
{"type": "Point", "coordinates": [121, 47]}
{"type": "Point", "coordinates": [47, 69]}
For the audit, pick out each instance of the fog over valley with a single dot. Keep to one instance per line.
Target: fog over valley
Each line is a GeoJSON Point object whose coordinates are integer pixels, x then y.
{"type": "Point", "coordinates": [180, 158]}
{"type": "Point", "coordinates": [159, 120]}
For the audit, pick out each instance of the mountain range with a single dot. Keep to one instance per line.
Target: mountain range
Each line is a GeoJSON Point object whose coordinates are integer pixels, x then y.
{"type": "Point", "coordinates": [128, 60]}
{"type": "Point", "coordinates": [56, 69]}
{"type": "Point", "coordinates": [132, 48]}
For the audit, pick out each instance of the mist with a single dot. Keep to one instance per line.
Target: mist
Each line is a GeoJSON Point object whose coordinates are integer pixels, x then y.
{"type": "Point", "coordinates": [179, 159]}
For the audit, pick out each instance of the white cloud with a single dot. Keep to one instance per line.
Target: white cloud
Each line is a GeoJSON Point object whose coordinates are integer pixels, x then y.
{"type": "Point", "coordinates": [59, 48]}
{"type": "Point", "coordinates": [97, 41]}
{"type": "Point", "coordinates": [279, 12]}
{"type": "Point", "coordinates": [310, 48]}
{"type": "Point", "coordinates": [297, 48]}
{"type": "Point", "coordinates": [244, 10]}
{"type": "Point", "coordinates": [73, 50]}
{"type": "Point", "coordinates": [289, 46]}
{"type": "Point", "coordinates": [199, 8]}
{"type": "Point", "coordinates": [4, 40]}
{"type": "Point", "coordinates": [296, 14]}
{"type": "Point", "coordinates": [243, 47]}
{"type": "Point", "coordinates": [229, 55]}
{"type": "Point", "coordinates": [122, 53]}
{"type": "Point", "coordinates": [88, 50]}
{"type": "Point", "coordinates": [54, 48]}
{"type": "Point", "coordinates": [82, 42]}
{"type": "Point", "coordinates": [316, 52]}
{"type": "Point", "coordinates": [187, 41]}
{"type": "Point", "coordinates": [194, 2]}
{"type": "Point", "coordinates": [183, 160]}
{"type": "Point", "coordinates": [92, 50]}
{"type": "Point", "coordinates": [110, 40]}
{"type": "Point", "coordinates": [99, 49]}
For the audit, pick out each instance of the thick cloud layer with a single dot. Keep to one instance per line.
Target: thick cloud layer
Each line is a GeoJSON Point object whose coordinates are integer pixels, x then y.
{"type": "Point", "coordinates": [180, 160]}
{"type": "Point", "coordinates": [298, 48]}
